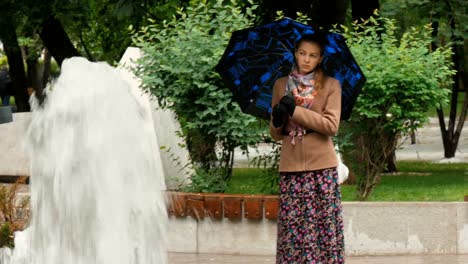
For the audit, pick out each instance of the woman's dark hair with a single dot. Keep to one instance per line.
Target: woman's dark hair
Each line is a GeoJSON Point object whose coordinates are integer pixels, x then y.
{"type": "Point", "coordinates": [318, 37]}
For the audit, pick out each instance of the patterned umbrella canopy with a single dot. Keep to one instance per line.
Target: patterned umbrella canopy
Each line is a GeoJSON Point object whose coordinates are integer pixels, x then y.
{"type": "Point", "coordinates": [255, 57]}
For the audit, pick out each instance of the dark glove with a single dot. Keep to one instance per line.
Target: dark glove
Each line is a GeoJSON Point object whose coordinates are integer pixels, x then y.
{"type": "Point", "coordinates": [280, 114]}
{"type": "Point", "coordinates": [288, 103]}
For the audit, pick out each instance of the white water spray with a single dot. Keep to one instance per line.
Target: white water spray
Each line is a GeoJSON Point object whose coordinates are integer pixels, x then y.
{"type": "Point", "coordinates": [95, 193]}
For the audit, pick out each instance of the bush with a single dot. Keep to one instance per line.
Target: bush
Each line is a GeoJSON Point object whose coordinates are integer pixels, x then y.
{"type": "Point", "coordinates": [210, 181]}
{"type": "Point", "coordinates": [177, 67]}
{"type": "Point", "coordinates": [405, 78]}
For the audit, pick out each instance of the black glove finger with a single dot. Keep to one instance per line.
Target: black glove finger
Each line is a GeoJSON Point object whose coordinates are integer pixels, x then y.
{"type": "Point", "coordinates": [278, 121]}
{"type": "Point", "coordinates": [287, 99]}
{"type": "Point", "coordinates": [279, 115]}
{"type": "Point", "coordinates": [278, 110]}
{"type": "Point", "coordinates": [288, 102]}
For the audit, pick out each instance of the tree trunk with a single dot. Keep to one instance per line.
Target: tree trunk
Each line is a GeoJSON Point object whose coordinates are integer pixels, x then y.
{"type": "Point", "coordinates": [366, 154]}
{"type": "Point", "coordinates": [451, 135]}
{"type": "Point", "coordinates": [391, 163]}
{"type": "Point", "coordinates": [45, 77]}
{"type": "Point", "coordinates": [15, 62]}
{"type": "Point", "coordinates": [363, 9]}
{"type": "Point", "coordinates": [371, 158]}
{"type": "Point", "coordinates": [202, 148]}
{"type": "Point", "coordinates": [47, 65]}
{"type": "Point", "coordinates": [34, 78]}
{"type": "Point", "coordinates": [56, 40]}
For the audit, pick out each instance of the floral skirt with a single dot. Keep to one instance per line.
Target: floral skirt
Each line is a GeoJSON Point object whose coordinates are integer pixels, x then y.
{"type": "Point", "coordinates": [310, 224]}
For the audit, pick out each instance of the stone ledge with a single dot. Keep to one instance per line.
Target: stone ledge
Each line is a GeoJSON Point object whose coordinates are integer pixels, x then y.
{"type": "Point", "coordinates": [371, 228]}
{"type": "Point", "coordinates": [217, 206]}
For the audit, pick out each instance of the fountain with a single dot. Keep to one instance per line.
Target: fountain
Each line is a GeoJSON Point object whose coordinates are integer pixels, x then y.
{"type": "Point", "coordinates": [95, 183]}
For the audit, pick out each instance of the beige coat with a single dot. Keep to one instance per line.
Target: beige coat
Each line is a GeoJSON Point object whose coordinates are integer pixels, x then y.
{"type": "Point", "coordinates": [316, 150]}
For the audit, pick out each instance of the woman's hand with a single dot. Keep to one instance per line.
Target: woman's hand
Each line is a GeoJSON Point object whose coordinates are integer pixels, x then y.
{"type": "Point", "coordinates": [288, 103]}
{"type": "Point", "coordinates": [280, 114]}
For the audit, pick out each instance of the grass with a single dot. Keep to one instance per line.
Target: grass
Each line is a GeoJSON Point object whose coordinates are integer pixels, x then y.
{"type": "Point", "coordinates": [247, 181]}
{"type": "Point", "coordinates": [419, 181]}
{"type": "Point", "coordinates": [416, 181]}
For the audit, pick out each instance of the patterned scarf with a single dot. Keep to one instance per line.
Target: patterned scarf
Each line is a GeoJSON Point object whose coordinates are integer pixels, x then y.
{"type": "Point", "coordinates": [302, 89]}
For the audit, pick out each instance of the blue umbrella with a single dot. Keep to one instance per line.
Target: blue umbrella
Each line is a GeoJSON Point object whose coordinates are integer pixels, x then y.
{"type": "Point", "coordinates": [256, 57]}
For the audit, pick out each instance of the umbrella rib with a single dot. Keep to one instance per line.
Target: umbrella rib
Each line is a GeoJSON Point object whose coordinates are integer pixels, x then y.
{"type": "Point", "coordinates": [264, 54]}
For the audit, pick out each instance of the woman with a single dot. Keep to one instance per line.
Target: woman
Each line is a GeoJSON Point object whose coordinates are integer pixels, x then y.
{"type": "Point", "coordinates": [306, 115]}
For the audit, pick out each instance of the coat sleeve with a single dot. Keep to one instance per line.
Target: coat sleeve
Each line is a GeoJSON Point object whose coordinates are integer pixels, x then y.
{"type": "Point", "coordinates": [278, 90]}
{"type": "Point", "coordinates": [328, 121]}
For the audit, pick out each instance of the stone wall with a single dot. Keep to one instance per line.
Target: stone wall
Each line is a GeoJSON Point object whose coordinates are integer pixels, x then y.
{"type": "Point", "coordinates": [246, 225]}
{"type": "Point", "coordinates": [13, 155]}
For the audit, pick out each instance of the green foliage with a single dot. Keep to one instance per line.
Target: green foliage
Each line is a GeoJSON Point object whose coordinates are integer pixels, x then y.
{"type": "Point", "coordinates": [54, 68]}
{"type": "Point", "coordinates": [99, 28]}
{"type": "Point", "coordinates": [33, 45]}
{"type": "Point", "coordinates": [405, 78]}
{"type": "Point", "coordinates": [449, 19]}
{"type": "Point", "coordinates": [177, 67]}
{"type": "Point", "coordinates": [269, 162]}
{"type": "Point", "coordinates": [419, 12]}
{"type": "Point", "coordinates": [6, 238]}
{"type": "Point", "coordinates": [207, 181]}
{"type": "Point", "coordinates": [269, 182]}
{"type": "Point", "coordinates": [302, 18]}
{"type": "Point", "coordinates": [3, 61]}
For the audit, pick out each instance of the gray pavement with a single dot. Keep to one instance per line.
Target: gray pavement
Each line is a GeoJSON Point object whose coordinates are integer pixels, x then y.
{"type": "Point", "coordinates": [183, 258]}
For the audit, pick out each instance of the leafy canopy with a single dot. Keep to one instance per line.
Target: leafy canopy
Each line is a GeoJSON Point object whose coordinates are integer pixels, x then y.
{"type": "Point", "coordinates": [404, 76]}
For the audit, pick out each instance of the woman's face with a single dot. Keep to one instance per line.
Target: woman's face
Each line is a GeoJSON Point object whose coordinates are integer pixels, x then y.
{"type": "Point", "coordinates": [307, 57]}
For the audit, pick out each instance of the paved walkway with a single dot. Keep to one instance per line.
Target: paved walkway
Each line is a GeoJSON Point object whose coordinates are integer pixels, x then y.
{"type": "Point", "coordinates": [181, 258]}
